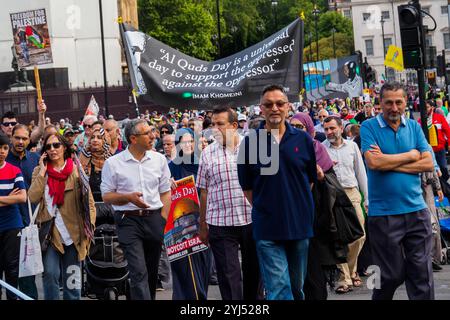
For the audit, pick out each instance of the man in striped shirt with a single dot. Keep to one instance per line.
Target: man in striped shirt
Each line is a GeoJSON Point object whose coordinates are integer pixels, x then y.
{"type": "Point", "coordinates": [12, 192]}
{"type": "Point", "coordinates": [225, 214]}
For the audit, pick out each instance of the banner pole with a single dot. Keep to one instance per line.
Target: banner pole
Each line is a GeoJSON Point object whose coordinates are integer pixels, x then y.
{"type": "Point", "coordinates": [38, 84]}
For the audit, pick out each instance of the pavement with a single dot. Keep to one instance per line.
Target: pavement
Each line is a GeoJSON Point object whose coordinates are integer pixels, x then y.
{"type": "Point", "coordinates": [441, 284]}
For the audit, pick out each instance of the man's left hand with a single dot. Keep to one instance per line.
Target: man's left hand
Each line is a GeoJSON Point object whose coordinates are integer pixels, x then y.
{"type": "Point", "coordinates": [41, 107]}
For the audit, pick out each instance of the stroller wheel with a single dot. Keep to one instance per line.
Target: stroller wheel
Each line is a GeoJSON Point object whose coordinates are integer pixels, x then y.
{"type": "Point", "coordinates": [127, 289]}
{"type": "Point", "coordinates": [111, 294]}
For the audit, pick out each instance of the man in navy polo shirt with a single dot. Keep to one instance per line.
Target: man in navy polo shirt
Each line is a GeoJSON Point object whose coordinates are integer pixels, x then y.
{"type": "Point", "coordinates": [283, 207]}
{"type": "Point", "coordinates": [396, 151]}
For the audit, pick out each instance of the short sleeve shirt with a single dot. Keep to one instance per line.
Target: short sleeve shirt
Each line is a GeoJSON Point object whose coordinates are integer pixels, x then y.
{"type": "Point", "coordinates": [390, 192]}
{"type": "Point", "coordinates": [10, 178]}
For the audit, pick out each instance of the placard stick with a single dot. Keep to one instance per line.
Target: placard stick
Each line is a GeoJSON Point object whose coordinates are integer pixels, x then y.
{"type": "Point", "coordinates": [38, 84]}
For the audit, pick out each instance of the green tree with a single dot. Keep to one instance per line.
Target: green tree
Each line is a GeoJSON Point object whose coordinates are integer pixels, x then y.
{"type": "Point", "coordinates": [344, 47]}
{"type": "Point", "coordinates": [185, 25]}
{"type": "Point", "coordinates": [331, 19]}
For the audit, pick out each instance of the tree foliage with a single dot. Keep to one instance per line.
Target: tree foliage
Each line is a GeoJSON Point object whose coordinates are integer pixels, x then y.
{"type": "Point", "coordinates": [343, 43]}
{"type": "Point", "coordinates": [191, 25]}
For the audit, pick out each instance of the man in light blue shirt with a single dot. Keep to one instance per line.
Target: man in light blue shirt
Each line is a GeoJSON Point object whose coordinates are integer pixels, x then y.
{"type": "Point", "coordinates": [396, 152]}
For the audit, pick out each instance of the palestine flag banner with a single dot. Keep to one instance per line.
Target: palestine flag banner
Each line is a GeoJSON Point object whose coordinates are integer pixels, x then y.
{"type": "Point", "coordinates": [167, 77]}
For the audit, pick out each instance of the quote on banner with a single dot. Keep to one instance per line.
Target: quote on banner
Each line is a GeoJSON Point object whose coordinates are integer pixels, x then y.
{"type": "Point", "coordinates": [169, 77]}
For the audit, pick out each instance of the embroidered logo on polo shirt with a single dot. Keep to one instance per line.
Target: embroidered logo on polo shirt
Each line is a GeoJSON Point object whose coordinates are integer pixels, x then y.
{"type": "Point", "coordinates": [296, 149]}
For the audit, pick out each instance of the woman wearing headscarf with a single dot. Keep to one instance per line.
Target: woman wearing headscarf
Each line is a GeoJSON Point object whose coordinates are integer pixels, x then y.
{"type": "Point", "coordinates": [190, 278]}
{"type": "Point", "coordinates": [56, 187]}
{"type": "Point", "coordinates": [315, 287]}
{"type": "Point", "coordinates": [92, 159]}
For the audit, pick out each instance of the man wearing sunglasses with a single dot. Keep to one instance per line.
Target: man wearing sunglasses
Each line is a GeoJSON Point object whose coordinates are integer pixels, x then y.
{"type": "Point", "coordinates": [83, 138]}
{"type": "Point", "coordinates": [8, 122]}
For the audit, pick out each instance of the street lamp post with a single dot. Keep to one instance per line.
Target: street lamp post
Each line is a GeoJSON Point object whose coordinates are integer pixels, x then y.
{"type": "Point", "coordinates": [275, 5]}
{"type": "Point", "coordinates": [334, 42]}
{"type": "Point", "coordinates": [315, 13]}
{"type": "Point", "coordinates": [384, 44]}
{"type": "Point", "coordinates": [105, 81]}
{"type": "Point", "coordinates": [218, 29]}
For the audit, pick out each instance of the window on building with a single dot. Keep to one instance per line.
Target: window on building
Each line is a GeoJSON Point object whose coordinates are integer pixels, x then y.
{"type": "Point", "coordinates": [369, 47]}
{"type": "Point", "coordinates": [387, 43]}
{"type": "Point", "coordinates": [447, 41]}
{"type": "Point", "coordinates": [444, 9]}
{"type": "Point", "coordinates": [366, 16]}
{"type": "Point", "coordinates": [347, 14]}
{"type": "Point", "coordinates": [386, 15]}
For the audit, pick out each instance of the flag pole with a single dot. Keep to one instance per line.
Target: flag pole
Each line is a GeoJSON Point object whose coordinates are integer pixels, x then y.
{"type": "Point", "coordinates": [38, 84]}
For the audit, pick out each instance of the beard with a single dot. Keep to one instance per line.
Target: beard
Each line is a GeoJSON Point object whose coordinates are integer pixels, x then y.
{"type": "Point", "coordinates": [394, 117]}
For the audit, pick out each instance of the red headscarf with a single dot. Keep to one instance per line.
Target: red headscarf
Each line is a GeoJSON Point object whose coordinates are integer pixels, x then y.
{"type": "Point", "coordinates": [57, 181]}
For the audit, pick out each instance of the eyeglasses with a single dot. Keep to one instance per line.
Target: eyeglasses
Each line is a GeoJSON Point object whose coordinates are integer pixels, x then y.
{"type": "Point", "coordinates": [323, 116]}
{"type": "Point", "coordinates": [164, 131]}
{"type": "Point", "coordinates": [88, 126]}
{"type": "Point", "coordinates": [279, 104]}
{"type": "Point", "coordinates": [7, 124]}
{"type": "Point", "coordinates": [298, 126]}
{"type": "Point", "coordinates": [55, 145]}
{"type": "Point", "coordinates": [153, 130]}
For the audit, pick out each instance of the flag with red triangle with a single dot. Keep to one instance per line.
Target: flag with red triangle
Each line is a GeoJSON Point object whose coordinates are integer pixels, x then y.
{"type": "Point", "coordinates": [92, 108]}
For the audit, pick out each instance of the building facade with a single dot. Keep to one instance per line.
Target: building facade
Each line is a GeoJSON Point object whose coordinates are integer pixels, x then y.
{"type": "Point", "coordinates": [77, 69]}
{"type": "Point", "coordinates": [369, 29]}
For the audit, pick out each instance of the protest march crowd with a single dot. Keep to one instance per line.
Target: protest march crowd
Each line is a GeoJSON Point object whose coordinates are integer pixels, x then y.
{"type": "Point", "coordinates": [294, 198]}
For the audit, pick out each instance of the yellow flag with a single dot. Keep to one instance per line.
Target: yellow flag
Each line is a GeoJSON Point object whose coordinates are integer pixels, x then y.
{"type": "Point", "coordinates": [394, 58]}
{"type": "Point", "coordinates": [302, 15]}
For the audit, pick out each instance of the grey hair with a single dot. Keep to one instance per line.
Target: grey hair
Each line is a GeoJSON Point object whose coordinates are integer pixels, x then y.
{"type": "Point", "coordinates": [130, 128]}
{"type": "Point", "coordinates": [393, 86]}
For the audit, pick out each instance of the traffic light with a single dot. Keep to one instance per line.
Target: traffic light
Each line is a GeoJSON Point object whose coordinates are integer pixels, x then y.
{"type": "Point", "coordinates": [440, 66]}
{"type": "Point", "coordinates": [411, 34]}
{"type": "Point", "coordinates": [370, 74]}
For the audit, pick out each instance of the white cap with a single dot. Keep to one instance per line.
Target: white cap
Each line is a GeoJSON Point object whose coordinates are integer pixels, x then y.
{"type": "Point", "coordinates": [242, 117]}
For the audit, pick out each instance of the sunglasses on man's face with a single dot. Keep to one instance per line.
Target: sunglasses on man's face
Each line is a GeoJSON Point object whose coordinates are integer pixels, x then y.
{"type": "Point", "coordinates": [164, 131]}
{"type": "Point", "coordinates": [88, 126]}
{"type": "Point", "coordinates": [9, 124]}
{"type": "Point", "coordinates": [55, 145]}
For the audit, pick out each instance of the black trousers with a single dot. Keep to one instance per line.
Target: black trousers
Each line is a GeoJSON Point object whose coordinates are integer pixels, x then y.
{"type": "Point", "coordinates": [9, 258]}
{"type": "Point", "coordinates": [141, 239]}
{"type": "Point", "coordinates": [401, 248]}
{"type": "Point", "coordinates": [225, 243]}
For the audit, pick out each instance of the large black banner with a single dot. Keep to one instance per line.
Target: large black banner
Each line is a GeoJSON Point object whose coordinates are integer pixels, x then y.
{"type": "Point", "coordinates": [170, 78]}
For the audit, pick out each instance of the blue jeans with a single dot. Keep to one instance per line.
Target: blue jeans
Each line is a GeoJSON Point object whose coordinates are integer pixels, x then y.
{"type": "Point", "coordinates": [283, 268]}
{"type": "Point", "coordinates": [442, 163]}
{"type": "Point", "coordinates": [67, 265]}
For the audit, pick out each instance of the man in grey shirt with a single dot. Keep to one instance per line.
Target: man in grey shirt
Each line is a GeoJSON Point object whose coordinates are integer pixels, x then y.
{"type": "Point", "coordinates": [351, 173]}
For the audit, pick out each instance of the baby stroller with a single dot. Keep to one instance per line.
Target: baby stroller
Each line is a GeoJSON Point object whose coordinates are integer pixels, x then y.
{"type": "Point", "coordinates": [443, 211]}
{"type": "Point", "coordinates": [105, 273]}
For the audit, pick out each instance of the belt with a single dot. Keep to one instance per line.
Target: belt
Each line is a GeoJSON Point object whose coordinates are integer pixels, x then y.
{"type": "Point", "coordinates": [138, 213]}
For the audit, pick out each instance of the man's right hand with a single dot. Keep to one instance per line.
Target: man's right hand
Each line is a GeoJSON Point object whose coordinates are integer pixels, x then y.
{"type": "Point", "coordinates": [415, 155]}
{"type": "Point", "coordinates": [203, 233]}
{"type": "Point", "coordinates": [136, 199]}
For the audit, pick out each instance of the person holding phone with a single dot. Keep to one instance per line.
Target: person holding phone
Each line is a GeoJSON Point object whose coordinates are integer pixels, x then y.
{"type": "Point", "coordinates": [56, 187]}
